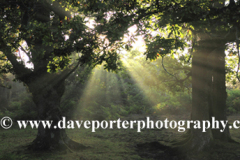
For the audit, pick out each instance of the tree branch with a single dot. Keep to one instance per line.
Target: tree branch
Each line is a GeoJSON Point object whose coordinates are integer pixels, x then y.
{"type": "Point", "coordinates": [67, 73]}
{"type": "Point", "coordinates": [178, 80]}
{"type": "Point", "coordinates": [19, 68]}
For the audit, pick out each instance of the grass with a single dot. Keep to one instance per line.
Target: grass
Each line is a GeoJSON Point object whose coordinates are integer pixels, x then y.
{"type": "Point", "coordinates": [117, 144]}
{"type": "Point", "coordinates": [103, 144]}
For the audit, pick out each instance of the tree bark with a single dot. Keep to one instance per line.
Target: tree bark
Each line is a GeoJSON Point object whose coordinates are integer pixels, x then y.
{"type": "Point", "coordinates": [48, 105]}
{"type": "Point", "coordinates": [199, 140]}
{"type": "Point", "coordinates": [217, 92]}
{"type": "Point", "coordinates": [208, 94]}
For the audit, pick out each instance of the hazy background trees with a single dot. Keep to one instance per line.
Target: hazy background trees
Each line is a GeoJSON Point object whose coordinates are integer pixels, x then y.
{"type": "Point", "coordinates": [99, 94]}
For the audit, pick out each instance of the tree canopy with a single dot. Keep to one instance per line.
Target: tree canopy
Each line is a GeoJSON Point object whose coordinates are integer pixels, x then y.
{"type": "Point", "coordinates": [57, 36]}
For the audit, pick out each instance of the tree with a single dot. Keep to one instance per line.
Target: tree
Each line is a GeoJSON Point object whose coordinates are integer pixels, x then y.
{"type": "Point", "coordinates": [209, 26]}
{"type": "Point", "coordinates": [38, 39]}
{"type": "Point", "coordinates": [202, 26]}
{"type": "Point", "coordinates": [52, 35]}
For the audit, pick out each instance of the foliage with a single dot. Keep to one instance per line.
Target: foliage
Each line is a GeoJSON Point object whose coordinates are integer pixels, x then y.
{"type": "Point", "coordinates": [115, 143]}
{"type": "Point", "coordinates": [20, 108]}
{"type": "Point", "coordinates": [179, 103]}
{"type": "Point", "coordinates": [174, 22]}
{"type": "Point", "coordinates": [118, 95]}
{"type": "Point", "coordinates": [50, 32]}
{"type": "Point", "coordinates": [136, 89]}
{"type": "Point", "coordinates": [140, 87]}
{"type": "Point", "coordinates": [233, 101]}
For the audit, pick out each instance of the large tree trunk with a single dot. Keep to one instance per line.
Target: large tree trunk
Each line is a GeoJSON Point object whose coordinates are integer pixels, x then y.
{"type": "Point", "coordinates": [198, 140]}
{"type": "Point", "coordinates": [208, 94]}
{"type": "Point", "coordinates": [47, 101]}
{"type": "Point", "coordinates": [217, 92]}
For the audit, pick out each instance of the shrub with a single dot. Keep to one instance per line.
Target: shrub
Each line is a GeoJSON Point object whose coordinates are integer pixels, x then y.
{"type": "Point", "coordinates": [233, 101]}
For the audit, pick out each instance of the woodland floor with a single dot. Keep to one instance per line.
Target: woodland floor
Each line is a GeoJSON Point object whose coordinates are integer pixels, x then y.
{"type": "Point", "coordinates": [117, 144]}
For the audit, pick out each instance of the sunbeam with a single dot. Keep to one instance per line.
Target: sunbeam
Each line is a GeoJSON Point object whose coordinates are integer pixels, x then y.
{"type": "Point", "coordinates": [101, 94]}
{"type": "Point", "coordinates": [141, 76]}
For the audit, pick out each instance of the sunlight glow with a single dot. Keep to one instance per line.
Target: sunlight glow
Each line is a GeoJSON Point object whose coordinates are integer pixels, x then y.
{"type": "Point", "coordinates": [23, 56]}
{"type": "Point", "coordinates": [96, 91]}
{"type": "Point", "coordinates": [139, 43]}
{"type": "Point", "coordinates": [140, 76]}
